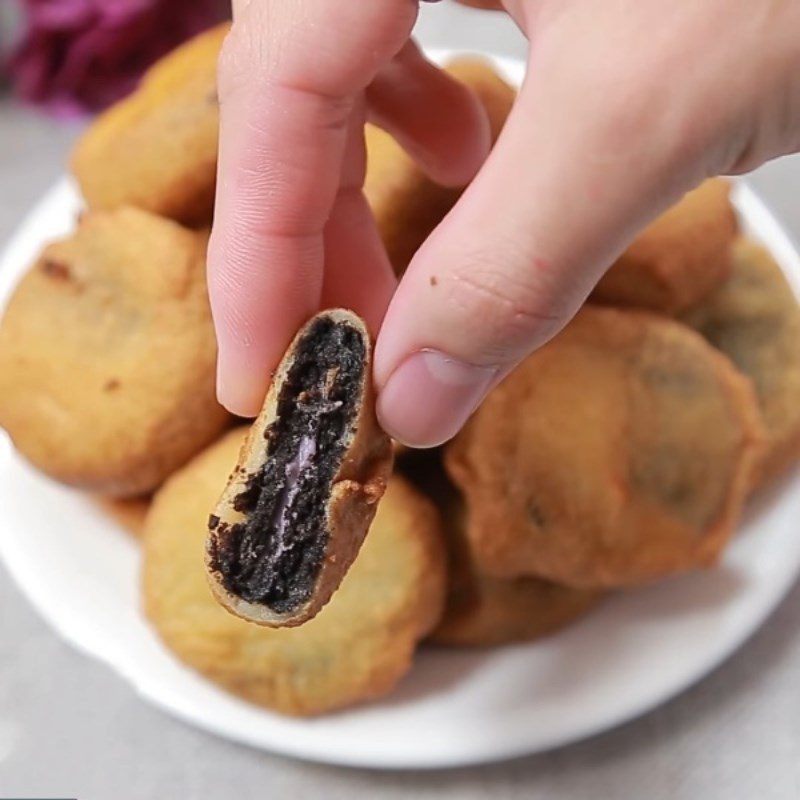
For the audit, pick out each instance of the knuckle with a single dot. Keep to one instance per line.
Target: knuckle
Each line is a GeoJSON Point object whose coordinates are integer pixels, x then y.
{"type": "Point", "coordinates": [627, 111]}
{"type": "Point", "coordinates": [253, 51]}
{"type": "Point", "coordinates": [237, 62]}
{"type": "Point", "coordinates": [512, 309]}
{"type": "Point", "coordinates": [248, 65]}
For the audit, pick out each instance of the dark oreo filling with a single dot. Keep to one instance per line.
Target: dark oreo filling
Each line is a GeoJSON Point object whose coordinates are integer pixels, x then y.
{"type": "Point", "coordinates": [274, 557]}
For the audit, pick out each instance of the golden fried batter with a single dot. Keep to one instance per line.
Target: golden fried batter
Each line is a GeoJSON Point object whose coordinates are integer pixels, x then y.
{"type": "Point", "coordinates": [754, 318]}
{"type": "Point", "coordinates": [618, 453]}
{"type": "Point", "coordinates": [157, 149]}
{"type": "Point", "coordinates": [407, 205]}
{"type": "Point", "coordinates": [487, 612]}
{"type": "Point", "coordinates": [482, 611]}
{"type": "Point", "coordinates": [678, 259]}
{"type": "Point", "coordinates": [355, 649]}
{"type": "Point", "coordinates": [108, 355]}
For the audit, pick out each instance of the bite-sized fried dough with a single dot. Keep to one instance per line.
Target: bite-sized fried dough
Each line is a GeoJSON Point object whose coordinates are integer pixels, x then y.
{"type": "Point", "coordinates": [157, 149]}
{"type": "Point", "coordinates": [618, 453]}
{"type": "Point", "coordinates": [107, 355]}
{"type": "Point", "coordinates": [355, 649]}
{"type": "Point", "coordinates": [408, 205]}
{"type": "Point", "coordinates": [129, 512]}
{"type": "Point", "coordinates": [296, 509]}
{"type": "Point", "coordinates": [482, 611]}
{"type": "Point", "coordinates": [678, 259]}
{"type": "Point", "coordinates": [754, 318]}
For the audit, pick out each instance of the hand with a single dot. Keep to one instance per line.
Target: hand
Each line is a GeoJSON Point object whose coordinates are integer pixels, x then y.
{"type": "Point", "coordinates": [293, 231]}
{"type": "Point", "coordinates": [621, 112]}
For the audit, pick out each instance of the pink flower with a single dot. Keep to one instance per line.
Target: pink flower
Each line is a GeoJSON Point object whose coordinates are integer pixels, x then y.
{"type": "Point", "coordinates": [82, 55]}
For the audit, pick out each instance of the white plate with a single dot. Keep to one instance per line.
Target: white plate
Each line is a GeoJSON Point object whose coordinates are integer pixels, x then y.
{"type": "Point", "coordinates": [633, 653]}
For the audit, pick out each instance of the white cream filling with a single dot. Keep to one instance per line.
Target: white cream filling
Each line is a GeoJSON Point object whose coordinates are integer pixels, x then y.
{"type": "Point", "coordinates": [306, 451]}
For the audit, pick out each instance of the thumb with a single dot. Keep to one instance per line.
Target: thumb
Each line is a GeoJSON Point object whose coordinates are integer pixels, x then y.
{"type": "Point", "coordinates": [576, 172]}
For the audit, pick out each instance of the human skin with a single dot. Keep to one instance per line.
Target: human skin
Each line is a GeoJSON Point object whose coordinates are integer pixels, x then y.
{"type": "Point", "coordinates": [619, 115]}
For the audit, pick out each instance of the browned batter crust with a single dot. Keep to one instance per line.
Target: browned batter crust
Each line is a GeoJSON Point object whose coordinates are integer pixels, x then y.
{"type": "Point", "coordinates": [108, 355]}
{"type": "Point", "coordinates": [617, 454]}
{"type": "Point", "coordinates": [754, 319]}
{"type": "Point", "coordinates": [678, 259]}
{"type": "Point", "coordinates": [157, 148]}
{"type": "Point", "coordinates": [354, 650]}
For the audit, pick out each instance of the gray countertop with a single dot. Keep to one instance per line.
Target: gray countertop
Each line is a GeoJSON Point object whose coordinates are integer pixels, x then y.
{"type": "Point", "coordinates": [71, 728]}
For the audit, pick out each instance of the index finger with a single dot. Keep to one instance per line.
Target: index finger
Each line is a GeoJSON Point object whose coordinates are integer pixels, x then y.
{"type": "Point", "coordinates": [289, 75]}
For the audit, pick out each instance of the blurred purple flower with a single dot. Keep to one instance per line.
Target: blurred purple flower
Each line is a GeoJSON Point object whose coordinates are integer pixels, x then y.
{"type": "Point", "coordinates": [79, 56]}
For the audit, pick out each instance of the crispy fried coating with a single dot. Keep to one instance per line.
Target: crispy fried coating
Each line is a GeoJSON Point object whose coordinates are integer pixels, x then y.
{"type": "Point", "coordinates": [157, 149]}
{"type": "Point", "coordinates": [406, 204]}
{"type": "Point", "coordinates": [482, 611]}
{"type": "Point", "coordinates": [355, 649]}
{"type": "Point", "coordinates": [487, 612]}
{"type": "Point", "coordinates": [108, 355]}
{"type": "Point", "coordinates": [754, 319]}
{"type": "Point", "coordinates": [315, 464]}
{"type": "Point", "coordinates": [619, 453]}
{"type": "Point", "coordinates": [678, 259]}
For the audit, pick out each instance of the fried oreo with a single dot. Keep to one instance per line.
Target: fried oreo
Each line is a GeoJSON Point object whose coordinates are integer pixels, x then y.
{"type": "Point", "coordinates": [157, 149]}
{"type": "Point", "coordinates": [355, 649]}
{"type": "Point", "coordinates": [407, 205]}
{"type": "Point", "coordinates": [108, 355]}
{"type": "Point", "coordinates": [617, 454]}
{"type": "Point", "coordinates": [754, 319]}
{"type": "Point", "coordinates": [297, 507]}
{"type": "Point", "coordinates": [482, 611]}
{"type": "Point", "coordinates": [678, 259]}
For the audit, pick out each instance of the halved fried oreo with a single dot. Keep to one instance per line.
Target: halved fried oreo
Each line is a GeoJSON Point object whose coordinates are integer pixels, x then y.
{"type": "Point", "coordinates": [300, 501]}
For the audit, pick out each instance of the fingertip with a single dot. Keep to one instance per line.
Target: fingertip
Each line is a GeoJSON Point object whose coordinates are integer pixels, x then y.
{"type": "Point", "coordinates": [458, 164]}
{"type": "Point", "coordinates": [240, 388]}
{"type": "Point", "coordinates": [437, 119]}
{"type": "Point", "coordinates": [429, 397]}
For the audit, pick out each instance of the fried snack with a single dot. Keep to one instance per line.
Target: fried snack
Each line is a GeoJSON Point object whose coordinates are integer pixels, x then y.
{"type": "Point", "coordinates": [129, 513]}
{"type": "Point", "coordinates": [107, 355]}
{"type": "Point", "coordinates": [355, 649]}
{"type": "Point", "coordinates": [296, 509]}
{"type": "Point", "coordinates": [754, 319]}
{"type": "Point", "coordinates": [407, 205]}
{"type": "Point", "coordinates": [157, 149]}
{"type": "Point", "coordinates": [617, 454]}
{"type": "Point", "coordinates": [680, 258]}
{"type": "Point", "coordinates": [481, 611]}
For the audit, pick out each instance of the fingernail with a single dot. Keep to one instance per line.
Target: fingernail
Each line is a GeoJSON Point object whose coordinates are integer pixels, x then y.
{"type": "Point", "coordinates": [430, 396]}
{"type": "Point", "coordinates": [234, 390]}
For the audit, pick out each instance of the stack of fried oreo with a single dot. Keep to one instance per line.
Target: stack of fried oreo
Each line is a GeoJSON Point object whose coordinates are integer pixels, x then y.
{"type": "Point", "coordinates": [290, 561]}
